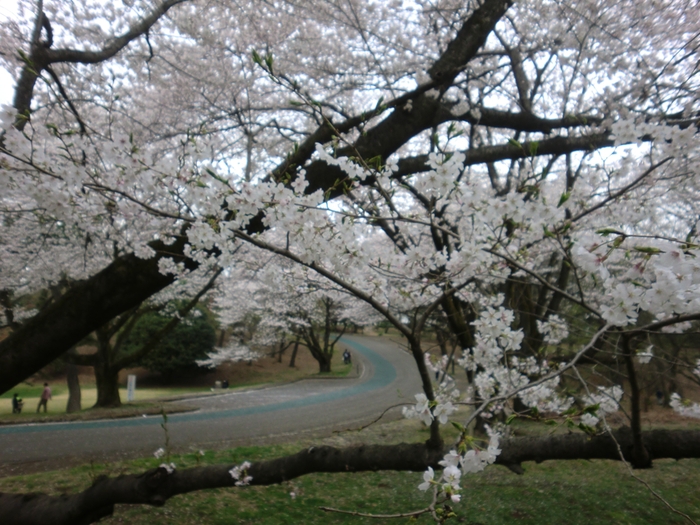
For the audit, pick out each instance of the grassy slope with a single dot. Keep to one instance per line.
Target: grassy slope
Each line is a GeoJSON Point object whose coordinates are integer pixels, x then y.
{"type": "Point", "coordinates": [577, 492]}
{"type": "Point", "coordinates": [265, 371]}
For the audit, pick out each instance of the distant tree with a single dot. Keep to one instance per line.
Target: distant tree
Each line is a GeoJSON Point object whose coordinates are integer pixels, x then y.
{"type": "Point", "coordinates": [113, 354]}
{"type": "Point", "coordinates": [179, 349]}
{"type": "Point", "coordinates": [284, 303]}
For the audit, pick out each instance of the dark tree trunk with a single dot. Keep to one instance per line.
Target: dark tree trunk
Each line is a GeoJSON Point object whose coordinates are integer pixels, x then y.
{"type": "Point", "coordinates": [640, 455]}
{"type": "Point", "coordinates": [74, 397]}
{"type": "Point", "coordinates": [324, 365]}
{"type": "Point", "coordinates": [107, 380]}
{"type": "Point", "coordinates": [293, 359]}
{"type": "Point", "coordinates": [222, 337]}
{"type": "Point", "coordinates": [316, 347]}
{"type": "Point", "coordinates": [283, 346]}
{"type": "Point", "coordinates": [442, 341]}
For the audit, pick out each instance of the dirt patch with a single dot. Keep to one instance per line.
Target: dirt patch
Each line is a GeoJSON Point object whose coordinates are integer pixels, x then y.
{"type": "Point", "coordinates": [265, 370]}
{"type": "Point", "coordinates": [666, 417]}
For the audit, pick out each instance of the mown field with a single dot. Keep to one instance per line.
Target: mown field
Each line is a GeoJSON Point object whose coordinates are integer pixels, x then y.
{"type": "Point", "coordinates": [571, 493]}
{"type": "Point", "coordinates": [150, 391]}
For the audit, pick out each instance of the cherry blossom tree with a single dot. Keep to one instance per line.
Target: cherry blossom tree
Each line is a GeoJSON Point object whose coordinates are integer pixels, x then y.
{"type": "Point", "coordinates": [528, 170]}
{"type": "Point", "coordinates": [288, 303]}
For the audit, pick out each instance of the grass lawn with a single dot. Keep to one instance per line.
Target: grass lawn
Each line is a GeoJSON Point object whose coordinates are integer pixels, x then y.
{"type": "Point", "coordinates": [241, 375]}
{"type": "Point", "coordinates": [57, 405]}
{"type": "Point", "coordinates": [570, 493]}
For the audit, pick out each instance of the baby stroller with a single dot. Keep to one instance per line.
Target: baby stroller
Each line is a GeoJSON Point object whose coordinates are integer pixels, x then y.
{"type": "Point", "coordinates": [17, 404]}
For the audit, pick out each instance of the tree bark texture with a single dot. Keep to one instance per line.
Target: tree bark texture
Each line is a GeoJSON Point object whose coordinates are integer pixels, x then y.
{"type": "Point", "coordinates": [156, 486]}
{"type": "Point", "coordinates": [107, 383]}
{"type": "Point", "coordinates": [292, 360]}
{"type": "Point", "coordinates": [74, 395]}
{"type": "Point", "coordinates": [640, 456]}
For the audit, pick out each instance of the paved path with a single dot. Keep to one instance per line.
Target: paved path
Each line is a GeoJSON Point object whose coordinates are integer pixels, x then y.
{"type": "Point", "coordinates": [313, 407]}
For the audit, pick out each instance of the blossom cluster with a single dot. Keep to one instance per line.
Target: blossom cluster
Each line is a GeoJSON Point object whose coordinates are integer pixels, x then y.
{"type": "Point", "coordinates": [168, 467]}
{"type": "Point", "coordinates": [554, 330]}
{"type": "Point", "coordinates": [607, 400]}
{"type": "Point", "coordinates": [644, 356]}
{"type": "Point", "coordinates": [232, 353]}
{"type": "Point", "coordinates": [684, 407]}
{"type": "Point", "coordinates": [240, 474]}
{"type": "Point", "coordinates": [439, 366]}
{"type": "Point", "coordinates": [441, 409]}
{"type": "Point", "coordinates": [455, 464]}
{"type": "Point", "coordinates": [664, 278]}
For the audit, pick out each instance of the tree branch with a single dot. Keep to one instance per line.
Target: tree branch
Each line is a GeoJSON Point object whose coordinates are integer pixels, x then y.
{"type": "Point", "coordinates": [40, 56]}
{"type": "Point", "coordinates": [156, 486]}
{"type": "Point", "coordinates": [510, 151]}
{"type": "Point", "coordinates": [86, 306]}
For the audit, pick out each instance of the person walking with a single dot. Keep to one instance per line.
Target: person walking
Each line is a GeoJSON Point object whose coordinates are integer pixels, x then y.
{"type": "Point", "coordinates": [45, 396]}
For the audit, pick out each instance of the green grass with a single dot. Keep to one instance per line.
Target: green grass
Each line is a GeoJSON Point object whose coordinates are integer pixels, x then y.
{"type": "Point", "coordinates": [569, 493]}
{"type": "Point", "coordinates": [26, 391]}
{"type": "Point", "coordinates": [338, 370]}
{"type": "Point", "coordinates": [136, 409]}
{"type": "Point", "coordinates": [57, 405]}
{"type": "Point", "coordinates": [29, 392]}
{"type": "Point", "coordinates": [576, 492]}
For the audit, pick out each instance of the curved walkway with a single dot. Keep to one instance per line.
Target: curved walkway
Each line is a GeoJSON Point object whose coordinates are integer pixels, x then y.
{"type": "Point", "coordinates": [313, 407]}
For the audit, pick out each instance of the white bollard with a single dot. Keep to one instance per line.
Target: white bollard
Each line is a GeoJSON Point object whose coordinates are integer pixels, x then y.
{"type": "Point", "coordinates": [130, 387]}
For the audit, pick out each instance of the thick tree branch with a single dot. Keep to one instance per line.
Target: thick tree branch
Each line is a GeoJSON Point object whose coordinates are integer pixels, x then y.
{"type": "Point", "coordinates": [86, 306]}
{"type": "Point", "coordinates": [510, 151]}
{"type": "Point", "coordinates": [156, 486]}
{"type": "Point", "coordinates": [658, 325]}
{"type": "Point", "coordinates": [41, 56]}
{"type": "Point", "coordinates": [114, 45]}
{"type": "Point", "coordinates": [469, 39]}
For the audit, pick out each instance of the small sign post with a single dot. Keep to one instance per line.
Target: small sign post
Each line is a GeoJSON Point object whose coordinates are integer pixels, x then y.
{"type": "Point", "coordinates": [130, 387]}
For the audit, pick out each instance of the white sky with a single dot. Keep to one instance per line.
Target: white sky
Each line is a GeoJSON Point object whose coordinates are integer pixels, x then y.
{"type": "Point", "coordinates": [8, 8]}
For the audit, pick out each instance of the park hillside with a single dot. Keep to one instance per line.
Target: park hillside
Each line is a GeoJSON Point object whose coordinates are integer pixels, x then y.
{"type": "Point", "coordinates": [509, 189]}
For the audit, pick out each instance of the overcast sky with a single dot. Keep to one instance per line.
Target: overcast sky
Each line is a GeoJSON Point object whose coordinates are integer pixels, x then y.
{"type": "Point", "coordinates": [7, 10]}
